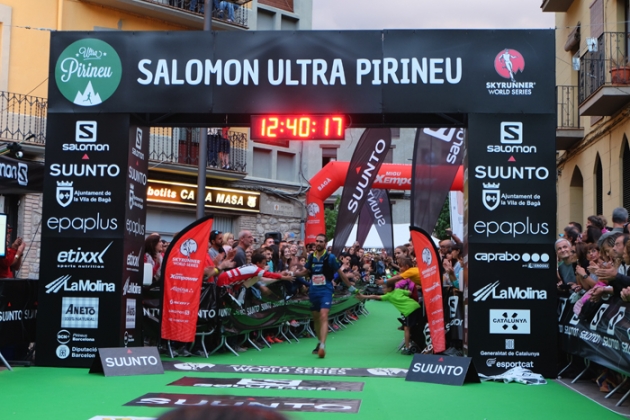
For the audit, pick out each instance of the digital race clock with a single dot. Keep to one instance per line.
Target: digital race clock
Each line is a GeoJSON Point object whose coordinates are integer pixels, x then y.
{"type": "Point", "coordinates": [297, 127]}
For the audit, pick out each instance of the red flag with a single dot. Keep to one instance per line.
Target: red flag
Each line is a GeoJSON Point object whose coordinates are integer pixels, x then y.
{"type": "Point", "coordinates": [182, 272]}
{"type": "Point", "coordinates": [431, 278]}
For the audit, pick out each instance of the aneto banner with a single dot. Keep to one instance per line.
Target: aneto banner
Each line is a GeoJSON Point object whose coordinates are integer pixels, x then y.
{"type": "Point", "coordinates": [183, 274]}
{"type": "Point", "coordinates": [366, 161]}
{"type": "Point", "coordinates": [378, 212]}
{"type": "Point", "coordinates": [431, 277]}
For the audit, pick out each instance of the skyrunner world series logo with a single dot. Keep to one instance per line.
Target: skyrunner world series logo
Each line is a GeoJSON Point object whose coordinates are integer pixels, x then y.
{"type": "Point", "coordinates": [509, 63]}
{"type": "Point", "coordinates": [88, 72]}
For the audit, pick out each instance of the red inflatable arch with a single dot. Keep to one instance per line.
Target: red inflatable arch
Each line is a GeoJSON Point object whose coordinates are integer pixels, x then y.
{"type": "Point", "coordinates": [333, 175]}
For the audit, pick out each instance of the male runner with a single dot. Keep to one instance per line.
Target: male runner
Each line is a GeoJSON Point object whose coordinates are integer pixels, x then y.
{"type": "Point", "coordinates": [322, 266]}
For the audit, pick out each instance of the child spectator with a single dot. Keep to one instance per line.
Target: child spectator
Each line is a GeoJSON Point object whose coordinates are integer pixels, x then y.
{"type": "Point", "coordinates": [402, 301]}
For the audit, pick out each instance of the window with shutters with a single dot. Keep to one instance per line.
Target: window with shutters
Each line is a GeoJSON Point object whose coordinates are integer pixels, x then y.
{"type": "Point", "coordinates": [576, 196]}
{"type": "Point", "coordinates": [599, 186]}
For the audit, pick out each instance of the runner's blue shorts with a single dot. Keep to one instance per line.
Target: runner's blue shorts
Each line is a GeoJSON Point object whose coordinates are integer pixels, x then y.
{"type": "Point", "coordinates": [320, 301]}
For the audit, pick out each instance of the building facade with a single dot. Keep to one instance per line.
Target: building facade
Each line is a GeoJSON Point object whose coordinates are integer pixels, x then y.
{"type": "Point", "coordinates": [593, 93]}
{"type": "Point", "coordinates": [243, 193]}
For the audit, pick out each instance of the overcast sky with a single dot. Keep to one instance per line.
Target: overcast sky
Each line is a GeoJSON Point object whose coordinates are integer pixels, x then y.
{"type": "Point", "coordinates": [429, 14]}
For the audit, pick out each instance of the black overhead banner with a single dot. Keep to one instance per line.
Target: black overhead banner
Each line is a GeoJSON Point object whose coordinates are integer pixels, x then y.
{"type": "Point", "coordinates": [511, 231]}
{"type": "Point", "coordinates": [377, 212]}
{"type": "Point", "coordinates": [366, 160]}
{"type": "Point", "coordinates": [20, 177]}
{"type": "Point", "coordinates": [350, 72]}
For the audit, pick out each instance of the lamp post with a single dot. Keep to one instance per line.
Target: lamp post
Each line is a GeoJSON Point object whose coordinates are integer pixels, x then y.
{"type": "Point", "coordinates": [203, 135]}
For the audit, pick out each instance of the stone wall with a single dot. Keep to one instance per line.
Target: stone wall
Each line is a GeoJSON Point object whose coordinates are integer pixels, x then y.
{"type": "Point", "coordinates": [29, 228]}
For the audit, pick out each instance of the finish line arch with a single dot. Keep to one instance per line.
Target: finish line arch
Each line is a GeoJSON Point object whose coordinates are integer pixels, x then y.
{"type": "Point", "coordinates": [107, 89]}
{"type": "Point", "coordinates": [333, 175]}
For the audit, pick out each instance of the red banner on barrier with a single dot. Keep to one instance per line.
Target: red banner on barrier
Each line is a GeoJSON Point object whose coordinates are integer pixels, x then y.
{"type": "Point", "coordinates": [431, 278]}
{"type": "Point", "coordinates": [183, 274]}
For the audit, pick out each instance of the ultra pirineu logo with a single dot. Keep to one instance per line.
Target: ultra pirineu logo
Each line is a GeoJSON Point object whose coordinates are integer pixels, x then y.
{"type": "Point", "coordinates": [88, 72]}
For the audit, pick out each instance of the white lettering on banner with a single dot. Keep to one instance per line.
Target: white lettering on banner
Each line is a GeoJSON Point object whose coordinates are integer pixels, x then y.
{"type": "Point", "coordinates": [84, 169]}
{"type": "Point", "coordinates": [376, 211]}
{"type": "Point", "coordinates": [80, 286]}
{"type": "Point", "coordinates": [81, 259]}
{"type": "Point", "coordinates": [136, 175]}
{"type": "Point", "coordinates": [492, 291]}
{"type": "Point", "coordinates": [379, 148]}
{"type": "Point", "coordinates": [18, 315]}
{"type": "Point", "coordinates": [134, 228]}
{"type": "Point", "coordinates": [511, 228]}
{"type": "Point", "coordinates": [18, 172]}
{"type": "Point", "coordinates": [511, 172]}
{"type": "Point", "coordinates": [446, 134]}
{"type": "Point", "coordinates": [131, 288]}
{"type": "Point", "coordinates": [437, 369]}
{"type": "Point", "coordinates": [288, 72]}
{"type": "Point", "coordinates": [131, 361]}
{"type": "Point", "coordinates": [84, 224]}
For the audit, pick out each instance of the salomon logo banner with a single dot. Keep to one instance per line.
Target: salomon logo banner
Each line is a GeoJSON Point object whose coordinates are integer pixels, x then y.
{"type": "Point", "coordinates": [436, 159]}
{"type": "Point", "coordinates": [445, 370]}
{"type": "Point", "coordinates": [366, 161]}
{"type": "Point", "coordinates": [377, 212]}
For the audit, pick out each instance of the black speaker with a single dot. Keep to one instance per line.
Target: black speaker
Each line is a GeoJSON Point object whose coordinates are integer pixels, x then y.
{"type": "Point", "coordinates": [277, 236]}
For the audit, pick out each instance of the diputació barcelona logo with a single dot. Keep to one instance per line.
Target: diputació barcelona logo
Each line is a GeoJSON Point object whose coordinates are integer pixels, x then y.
{"type": "Point", "coordinates": [88, 72]}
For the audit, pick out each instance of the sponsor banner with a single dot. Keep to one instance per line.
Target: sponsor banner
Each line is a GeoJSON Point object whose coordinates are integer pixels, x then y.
{"type": "Point", "coordinates": [431, 277]}
{"type": "Point", "coordinates": [359, 72]}
{"type": "Point", "coordinates": [366, 161]}
{"type": "Point", "coordinates": [216, 198]}
{"type": "Point", "coordinates": [313, 405]}
{"type": "Point", "coordinates": [445, 370]}
{"type": "Point", "coordinates": [285, 370]}
{"type": "Point", "coordinates": [90, 258]}
{"type": "Point", "coordinates": [377, 212]}
{"type": "Point", "coordinates": [18, 177]}
{"type": "Point", "coordinates": [511, 179]}
{"type": "Point", "coordinates": [279, 384]}
{"type": "Point", "coordinates": [119, 361]}
{"type": "Point", "coordinates": [183, 274]}
{"type": "Point", "coordinates": [600, 333]}
{"type": "Point", "coordinates": [436, 159]}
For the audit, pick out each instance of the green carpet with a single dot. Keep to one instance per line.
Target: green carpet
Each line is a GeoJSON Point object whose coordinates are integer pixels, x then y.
{"type": "Point", "coordinates": [73, 394]}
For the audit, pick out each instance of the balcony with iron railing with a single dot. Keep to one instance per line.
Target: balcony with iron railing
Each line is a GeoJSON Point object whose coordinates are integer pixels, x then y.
{"type": "Point", "coordinates": [23, 120]}
{"type": "Point", "coordinates": [187, 13]}
{"type": "Point", "coordinates": [604, 76]}
{"type": "Point", "coordinates": [568, 132]}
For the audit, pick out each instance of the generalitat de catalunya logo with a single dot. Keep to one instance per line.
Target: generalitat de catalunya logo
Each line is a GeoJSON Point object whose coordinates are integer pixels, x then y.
{"type": "Point", "coordinates": [88, 72]}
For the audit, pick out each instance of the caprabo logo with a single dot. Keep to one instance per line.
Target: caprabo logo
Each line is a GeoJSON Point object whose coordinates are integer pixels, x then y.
{"type": "Point", "coordinates": [88, 72]}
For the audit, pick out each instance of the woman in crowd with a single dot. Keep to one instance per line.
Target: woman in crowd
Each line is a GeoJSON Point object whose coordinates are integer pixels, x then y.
{"type": "Point", "coordinates": [591, 235]}
{"type": "Point", "coordinates": [153, 248]}
{"type": "Point", "coordinates": [228, 241]}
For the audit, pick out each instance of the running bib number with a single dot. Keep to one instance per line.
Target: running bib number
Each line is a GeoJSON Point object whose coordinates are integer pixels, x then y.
{"type": "Point", "coordinates": [319, 280]}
